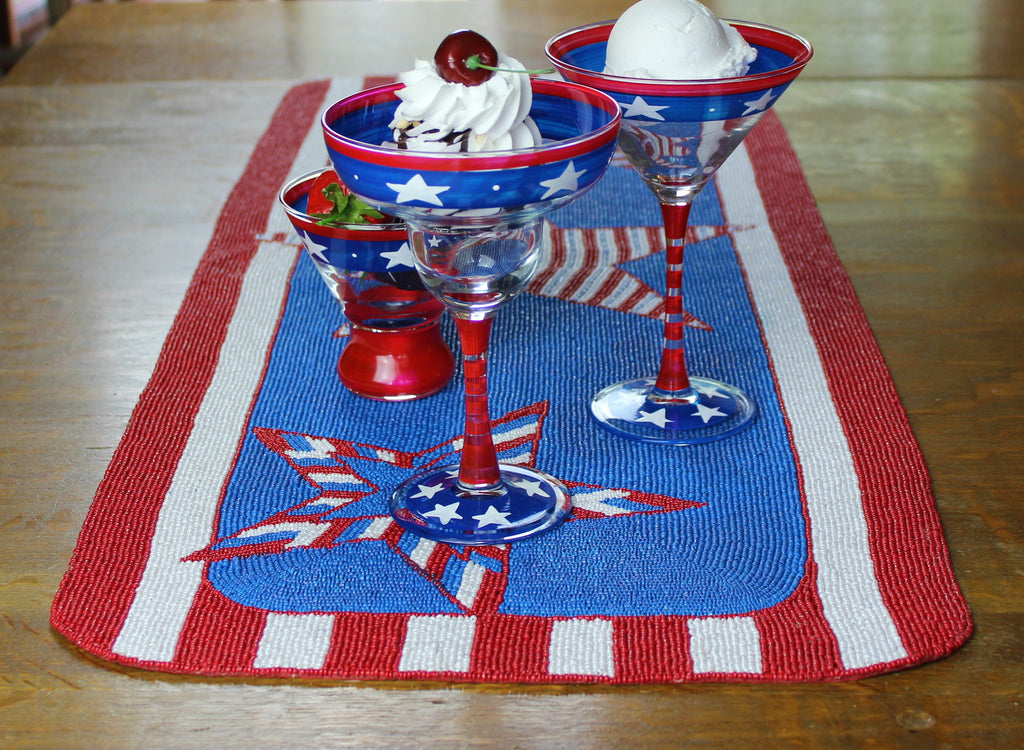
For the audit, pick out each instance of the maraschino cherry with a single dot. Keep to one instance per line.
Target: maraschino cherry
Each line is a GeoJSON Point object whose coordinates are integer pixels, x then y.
{"type": "Point", "coordinates": [465, 57]}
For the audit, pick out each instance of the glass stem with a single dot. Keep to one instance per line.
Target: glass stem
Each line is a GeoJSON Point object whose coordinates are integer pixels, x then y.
{"type": "Point", "coordinates": [479, 465]}
{"type": "Point", "coordinates": [672, 376]}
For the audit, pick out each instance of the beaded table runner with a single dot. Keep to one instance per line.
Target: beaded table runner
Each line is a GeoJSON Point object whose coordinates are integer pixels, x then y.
{"type": "Point", "coordinates": [241, 528]}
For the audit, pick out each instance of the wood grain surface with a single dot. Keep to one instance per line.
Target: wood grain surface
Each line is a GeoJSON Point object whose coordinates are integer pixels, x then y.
{"type": "Point", "coordinates": [121, 134]}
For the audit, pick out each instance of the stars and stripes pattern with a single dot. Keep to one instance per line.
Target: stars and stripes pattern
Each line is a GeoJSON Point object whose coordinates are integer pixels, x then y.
{"type": "Point", "coordinates": [585, 266]}
{"type": "Point", "coordinates": [877, 594]}
{"type": "Point", "coordinates": [348, 507]}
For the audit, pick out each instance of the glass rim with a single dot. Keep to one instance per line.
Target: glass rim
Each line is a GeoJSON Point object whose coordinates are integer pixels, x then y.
{"type": "Point", "coordinates": [479, 160]}
{"type": "Point", "coordinates": [802, 51]}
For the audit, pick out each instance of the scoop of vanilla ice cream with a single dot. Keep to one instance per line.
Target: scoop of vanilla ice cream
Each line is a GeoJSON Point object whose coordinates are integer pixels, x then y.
{"type": "Point", "coordinates": [493, 114]}
{"type": "Point", "coordinates": [675, 39]}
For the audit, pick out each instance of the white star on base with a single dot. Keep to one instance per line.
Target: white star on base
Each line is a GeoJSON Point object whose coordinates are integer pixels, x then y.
{"type": "Point", "coordinates": [492, 516]}
{"type": "Point", "coordinates": [531, 487]}
{"type": "Point", "coordinates": [428, 491]}
{"type": "Point", "coordinates": [654, 417]}
{"type": "Point", "coordinates": [400, 257]}
{"type": "Point", "coordinates": [568, 180]}
{"type": "Point", "coordinates": [444, 513]}
{"type": "Point", "coordinates": [758, 105]}
{"type": "Point", "coordinates": [710, 391]}
{"type": "Point", "coordinates": [418, 189]}
{"type": "Point", "coordinates": [640, 108]}
{"type": "Point", "coordinates": [707, 412]}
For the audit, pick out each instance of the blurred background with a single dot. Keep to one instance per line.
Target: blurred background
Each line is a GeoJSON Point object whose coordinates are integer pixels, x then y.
{"type": "Point", "coordinates": [23, 23]}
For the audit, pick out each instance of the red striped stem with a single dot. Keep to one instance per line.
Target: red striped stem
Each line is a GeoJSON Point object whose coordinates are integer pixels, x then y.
{"type": "Point", "coordinates": [672, 375]}
{"type": "Point", "coordinates": [479, 466]}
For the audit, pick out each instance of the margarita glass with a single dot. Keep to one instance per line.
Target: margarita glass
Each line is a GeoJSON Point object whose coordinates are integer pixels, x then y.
{"type": "Point", "coordinates": [676, 134]}
{"type": "Point", "coordinates": [475, 224]}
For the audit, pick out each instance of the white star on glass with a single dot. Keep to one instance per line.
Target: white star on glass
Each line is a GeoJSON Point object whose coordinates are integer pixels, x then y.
{"type": "Point", "coordinates": [445, 513]}
{"type": "Point", "coordinates": [568, 181]}
{"type": "Point", "coordinates": [707, 412]}
{"type": "Point", "coordinates": [316, 250]}
{"type": "Point", "coordinates": [654, 417]}
{"type": "Point", "coordinates": [492, 516]}
{"type": "Point", "coordinates": [401, 257]}
{"type": "Point", "coordinates": [710, 391]}
{"type": "Point", "coordinates": [418, 189]}
{"type": "Point", "coordinates": [532, 488]}
{"type": "Point", "coordinates": [428, 491]}
{"type": "Point", "coordinates": [640, 108]}
{"type": "Point", "coordinates": [759, 105]}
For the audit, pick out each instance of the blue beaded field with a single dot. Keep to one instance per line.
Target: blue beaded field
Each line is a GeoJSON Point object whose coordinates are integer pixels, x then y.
{"type": "Point", "coordinates": [731, 540]}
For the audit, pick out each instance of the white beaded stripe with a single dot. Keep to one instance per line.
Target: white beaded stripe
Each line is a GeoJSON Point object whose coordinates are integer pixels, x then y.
{"type": "Point", "coordinates": [294, 641]}
{"type": "Point", "coordinates": [846, 583]}
{"type": "Point", "coordinates": [437, 643]}
{"type": "Point", "coordinates": [581, 647]}
{"type": "Point", "coordinates": [725, 645]}
{"type": "Point", "coordinates": [169, 584]}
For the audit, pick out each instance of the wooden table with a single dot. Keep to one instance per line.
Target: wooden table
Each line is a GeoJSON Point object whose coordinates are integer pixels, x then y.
{"type": "Point", "coordinates": [909, 125]}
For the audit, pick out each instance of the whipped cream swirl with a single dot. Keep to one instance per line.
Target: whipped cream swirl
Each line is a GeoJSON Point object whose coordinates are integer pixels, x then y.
{"type": "Point", "coordinates": [438, 115]}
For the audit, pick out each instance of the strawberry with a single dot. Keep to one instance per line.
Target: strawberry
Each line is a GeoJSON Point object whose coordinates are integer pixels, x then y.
{"type": "Point", "coordinates": [318, 202]}
{"type": "Point", "coordinates": [332, 203]}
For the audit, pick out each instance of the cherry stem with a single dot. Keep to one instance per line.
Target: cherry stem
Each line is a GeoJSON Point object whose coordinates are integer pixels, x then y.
{"type": "Point", "coordinates": [672, 376]}
{"type": "Point", "coordinates": [473, 63]}
{"type": "Point", "coordinates": [478, 467]}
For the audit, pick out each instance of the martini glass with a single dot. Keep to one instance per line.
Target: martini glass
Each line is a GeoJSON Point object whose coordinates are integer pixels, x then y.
{"type": "Point", "coordinates": [677, 134]}
{"type": "Point", "coordinates": [475, 223]}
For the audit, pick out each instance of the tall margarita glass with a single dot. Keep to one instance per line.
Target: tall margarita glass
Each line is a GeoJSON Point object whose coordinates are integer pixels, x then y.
{"type": "Point", "coordinates": [677, 134]}
{"type": "Point", "coordinates": [474, 223]}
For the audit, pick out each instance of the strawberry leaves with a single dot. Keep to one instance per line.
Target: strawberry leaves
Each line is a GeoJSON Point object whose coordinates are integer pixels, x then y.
{"type": "Point", "coordinates": [333, 205]}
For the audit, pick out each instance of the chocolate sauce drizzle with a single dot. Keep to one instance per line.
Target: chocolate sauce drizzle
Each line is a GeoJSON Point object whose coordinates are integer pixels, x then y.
{"type": "Point", "coordinates": [460, 138]}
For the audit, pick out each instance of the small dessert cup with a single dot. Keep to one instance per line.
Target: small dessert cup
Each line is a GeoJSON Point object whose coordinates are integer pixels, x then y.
{"type": "Point", "coordinates": [395, 350]}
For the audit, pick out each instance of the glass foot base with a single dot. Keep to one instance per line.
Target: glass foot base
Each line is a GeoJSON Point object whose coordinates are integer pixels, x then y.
{"type": "Point", "coordinates": [398, 364]}
{"type": "Point", "coordinates": [709, 411]}
{"type": "Point", "coordinates": [435, 506]}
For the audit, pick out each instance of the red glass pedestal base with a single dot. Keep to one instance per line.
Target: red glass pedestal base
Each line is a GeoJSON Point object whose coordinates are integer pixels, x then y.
{"type": "Point", "coordinates": [396, 365]}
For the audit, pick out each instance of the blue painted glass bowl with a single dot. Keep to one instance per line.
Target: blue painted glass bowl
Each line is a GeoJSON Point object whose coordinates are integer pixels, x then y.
{"type": "Point", "coordinates": [579, 127]}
